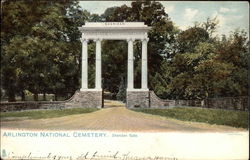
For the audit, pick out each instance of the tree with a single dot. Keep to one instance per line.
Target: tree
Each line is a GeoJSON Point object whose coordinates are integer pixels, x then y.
{"type": "Point", "coordinates": [121, 95]}
{"type": "Point", "coordinates": [234, 50]}
{"type": "Point", "coordinates": [44, 53]}
{"type": "Point", "coordinates": [215, 68]}
{"type": "Point", "coordinates": [161, 34]}
{"type": "Point", "coordinates": [14, 25]}
{"type": "Point", "coordinates": [190, 38]}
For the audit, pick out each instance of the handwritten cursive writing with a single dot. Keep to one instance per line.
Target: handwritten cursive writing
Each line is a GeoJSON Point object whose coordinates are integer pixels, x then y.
{"type": "Point", "coordinates": [117, 155]}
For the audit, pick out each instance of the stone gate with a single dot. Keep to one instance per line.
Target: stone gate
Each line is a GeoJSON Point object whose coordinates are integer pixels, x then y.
{"type": "Point", "coordinates": [129, 31]}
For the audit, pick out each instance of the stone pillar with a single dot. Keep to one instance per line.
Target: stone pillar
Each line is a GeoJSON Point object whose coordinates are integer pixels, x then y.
{"type": "Point", "coordinates": [138, 98]}
{"type": "Point", "coordinates": [98, 65]}
{"type": "Point", "coordinates": [84, 78]}
{"type": "Point", "coordinates": [144, 65]}
{"type": "Point", "coordinates": [130, 76]}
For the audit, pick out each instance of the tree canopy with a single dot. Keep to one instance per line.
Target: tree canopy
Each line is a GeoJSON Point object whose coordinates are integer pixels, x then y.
{"type": "Point", "coordinates": [41, 52]}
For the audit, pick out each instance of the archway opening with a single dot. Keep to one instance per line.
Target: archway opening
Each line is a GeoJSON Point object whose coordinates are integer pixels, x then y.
{"type": "Point", "coordinates": [114, 71]}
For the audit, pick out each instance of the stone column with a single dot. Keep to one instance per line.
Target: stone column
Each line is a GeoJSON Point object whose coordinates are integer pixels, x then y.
{"type": "Point", "coordinates": [144, 65]}
{"type": "Point", "coordinates": [130, 76]}
{"type": "Point", "coordinates": [98, 65]}
{"type": "Point", "coordinates": [84, 80]}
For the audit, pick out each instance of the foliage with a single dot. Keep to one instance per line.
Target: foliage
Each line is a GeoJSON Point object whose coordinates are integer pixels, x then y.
{"type": "Point", "coordinates": [188, 39]}
{"type": "Point", "coordinates": [237, 119]}
{"type": "Point", "coordinates": [121, 95]}
{"type": "Point", "coordinates": [162, 33]}
{"type": "Point", "coordinates": [41, 52]}
{"type": "Point", "coordinates": [209, 68]}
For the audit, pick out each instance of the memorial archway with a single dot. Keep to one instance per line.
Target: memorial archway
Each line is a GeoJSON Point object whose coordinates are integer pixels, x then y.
{"type": "Point", "coordinates": [129, 31]}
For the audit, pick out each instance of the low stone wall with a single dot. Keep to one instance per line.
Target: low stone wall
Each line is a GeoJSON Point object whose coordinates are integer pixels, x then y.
{"type": "Point", "coordinates": [86, 99]}
{"type": "Point", "coordinates": [135, 99]}
{"type": "Point", "coordinates": [233, 103]}
{"type": "Point", "coordinates": [194, 103]}
{"type": "Point", "coordinates": [18, 106]}
{"type": "Point", "coordinates": [156, 102]}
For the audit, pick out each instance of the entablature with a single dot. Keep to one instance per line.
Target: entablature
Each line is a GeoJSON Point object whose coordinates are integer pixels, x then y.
{"type": "Point", "coordinates": [114, 30]}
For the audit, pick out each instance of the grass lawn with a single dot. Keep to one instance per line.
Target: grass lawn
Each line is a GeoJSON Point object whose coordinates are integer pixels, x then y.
{"type": "Point", "coordinates": [38, 114]}
{"type": "Point", "coordinates": [237, 119]}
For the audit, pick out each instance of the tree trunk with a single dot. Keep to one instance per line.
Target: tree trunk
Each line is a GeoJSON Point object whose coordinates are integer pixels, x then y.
{"type": "Point", "coordinates": [35, 97]}
{"type": "Point", "coordinates": [23, 96]}
{"type": "Point", "coordinates": [44, 96]}
{"type": "Point", "coordinates": [55, 96]}
{"type": "Point", "coordinates": [11, 96]}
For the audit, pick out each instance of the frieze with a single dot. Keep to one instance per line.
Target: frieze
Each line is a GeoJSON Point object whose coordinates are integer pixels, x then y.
{"type": "Point", "coordinates": [114, 23]}
{"type": "Point", "coordinates": [113, 33]}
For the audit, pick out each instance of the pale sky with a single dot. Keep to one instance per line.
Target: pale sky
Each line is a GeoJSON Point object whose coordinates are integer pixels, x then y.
{"type": "Point", "coordinates": [231, 14]}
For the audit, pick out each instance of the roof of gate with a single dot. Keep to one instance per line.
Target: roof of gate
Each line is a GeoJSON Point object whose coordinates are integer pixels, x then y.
{"type": "Point", "coordinates": [113, 25]}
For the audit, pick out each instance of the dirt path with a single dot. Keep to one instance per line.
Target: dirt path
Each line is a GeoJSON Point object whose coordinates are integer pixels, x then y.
{"type": "Point", "coordinates": [115, 118]}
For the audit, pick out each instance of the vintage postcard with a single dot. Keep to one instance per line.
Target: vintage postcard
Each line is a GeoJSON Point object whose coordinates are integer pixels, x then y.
{"type": "Point", "coordinates": [124, 80]}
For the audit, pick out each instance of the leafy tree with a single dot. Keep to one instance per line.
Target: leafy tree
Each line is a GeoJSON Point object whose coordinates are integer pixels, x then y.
{"type": "Point", "coordinates": [121, 95]}
{"type": "Point", "coordinates": [214, 69]}
{"type": "Point", "coordinates": [235, 51]}
{"type": "Point", "coordinates": [14, 25]}
{"type": "Point", "coordinates": [45, 52]}
{"type": "Point", "coordinates": [41, 52]}
{"type": "Point", "coordinates": [190, 38]}
{"type": "Point", "coordinates": [161, 34]}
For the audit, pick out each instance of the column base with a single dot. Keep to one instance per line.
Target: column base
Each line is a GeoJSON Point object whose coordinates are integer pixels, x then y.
{"type": "Point", "coordinates": [87, 98]}
{"type": "Point", "coordinates": [137, 98]}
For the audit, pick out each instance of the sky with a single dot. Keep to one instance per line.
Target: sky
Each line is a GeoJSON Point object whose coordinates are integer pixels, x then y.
{"type": "Point", "coordinates": [231, 14]}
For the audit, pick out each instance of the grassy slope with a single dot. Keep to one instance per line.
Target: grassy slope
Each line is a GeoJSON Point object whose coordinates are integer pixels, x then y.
{"type": "Point", "coordinates": [47, 113]}
{"type": "Point", "coordinates": [221, 117]}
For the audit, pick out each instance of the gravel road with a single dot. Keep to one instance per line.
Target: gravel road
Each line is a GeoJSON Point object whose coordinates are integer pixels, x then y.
{"type": "Point", "coordinates": [116, 118]}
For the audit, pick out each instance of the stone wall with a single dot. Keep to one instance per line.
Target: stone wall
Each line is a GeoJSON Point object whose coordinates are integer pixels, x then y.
{"type": "Point", "coordinates": [137, 99]}
{"type": "Point", "coordinates": [87, 99]}
{"type": "Point", "coordinates": [232, 103]}
{"type": "Point", "coordinates": [235, 103]}
{"type": "Point", "coordinates": [194, 103]}
{"type": "Point", "coordinates": [18, 106]}
{"type": "Point", "coordinates": [80, 99]}
{"type": "Point", "coordinates": [146, 99]}
{"type": "Point", "coordinates": [156, 102]}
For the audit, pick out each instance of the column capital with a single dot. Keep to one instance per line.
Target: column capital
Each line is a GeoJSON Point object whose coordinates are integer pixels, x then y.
{"type": "Point", "coordinates": [84, 40]}
{"type": "Point", "coordinates": [98, 40]}
{"type": "Point", "coordinates": [145, 39]}
{"type": "Point", "coordinates": [130, 39]}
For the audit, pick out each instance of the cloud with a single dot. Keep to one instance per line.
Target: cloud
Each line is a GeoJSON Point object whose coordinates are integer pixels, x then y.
{"type": "Point", "coordinates": [225, 10]}
{"type": "Point", "coordinates": [226, 23]}
{"type": "Point", "coordinates": [190, 13]}
{"type": "Point", "coordinates": [169, 8]}
{"type": "Point", "coordinates": [183, 27]}
{"type": "Point", "coordinates": [221, 18]}
{"type": "Point", "coordinates": [226, 19]}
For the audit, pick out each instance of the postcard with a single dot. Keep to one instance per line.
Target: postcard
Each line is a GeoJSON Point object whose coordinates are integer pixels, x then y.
{"type": "Point", "coordinates": [124, 80]}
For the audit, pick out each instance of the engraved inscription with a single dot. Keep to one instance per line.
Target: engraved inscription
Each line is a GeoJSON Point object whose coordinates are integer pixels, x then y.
{"type": "Point", "coordinates": [114, 23]}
